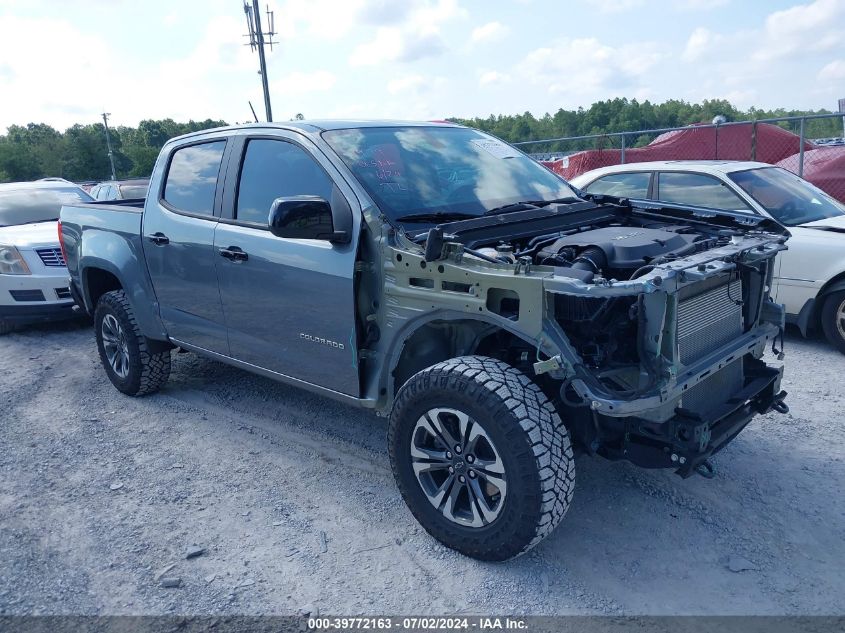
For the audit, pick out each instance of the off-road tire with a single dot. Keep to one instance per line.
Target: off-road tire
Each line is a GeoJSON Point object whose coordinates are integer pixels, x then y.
{"type": "Point", "coordinates": [148, 371]}
{"type": "Point", "coordinates": [533, 444]}
{"type": "Point", "coordinates": [833, 303]}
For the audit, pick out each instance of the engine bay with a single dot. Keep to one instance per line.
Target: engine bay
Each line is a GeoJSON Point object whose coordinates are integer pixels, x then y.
{"type": "Point", "coordinates": [617, 250]}
{"type": "Point", "coordinates": [599, 245]}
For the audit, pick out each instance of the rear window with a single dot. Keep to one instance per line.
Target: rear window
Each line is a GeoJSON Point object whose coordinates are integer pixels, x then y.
{"type": "Point", "coordinates": [128, 192]}
{"type": "Point", "coordinates": [28, 205]}
{"type": "Point", "coordinates": [192, 177]}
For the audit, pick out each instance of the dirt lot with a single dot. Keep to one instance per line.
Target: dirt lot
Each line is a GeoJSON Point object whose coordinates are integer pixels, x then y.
{"type": "Point", "coordinates": [292, 498]}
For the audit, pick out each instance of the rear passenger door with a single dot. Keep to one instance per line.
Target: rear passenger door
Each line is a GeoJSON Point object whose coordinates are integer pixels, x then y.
{"type": "Point", "coordinates": [289, 303]}
{"type": "Point", "coordinates": [180, 217]}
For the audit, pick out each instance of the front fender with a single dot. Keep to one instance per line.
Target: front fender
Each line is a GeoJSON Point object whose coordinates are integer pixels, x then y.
{"type": "Point", "coordinates": [393, 351]}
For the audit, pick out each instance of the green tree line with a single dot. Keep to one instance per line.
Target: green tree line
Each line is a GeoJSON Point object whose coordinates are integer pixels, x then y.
{"type": "Point", "coordinates": [37, 150]}
{"type": "Point", "coordinates": [631, 115]}
{"type": "Point", "coordinates": [79, 153]}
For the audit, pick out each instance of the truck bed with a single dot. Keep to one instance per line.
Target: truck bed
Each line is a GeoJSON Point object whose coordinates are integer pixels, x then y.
{"type": "Point", "coordinates": [113, 243]}
{"type": "Point", "coordinates": [129, 204]}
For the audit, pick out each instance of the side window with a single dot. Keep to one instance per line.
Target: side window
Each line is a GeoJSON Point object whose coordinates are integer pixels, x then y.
{"type": "Point", "coordinates": [633, 185]}
{"type": "Point", "coordinates": [274, 169]}
{"type": "Point", "coordinates": [192, 177]}
{"type": "Point", "coordinates": [698, 190]}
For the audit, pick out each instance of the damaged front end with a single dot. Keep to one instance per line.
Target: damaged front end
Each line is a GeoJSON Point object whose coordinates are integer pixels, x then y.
{"type": "Point", "coordinates": [671, 372]}
{"type": "Point", "coordinates": [646, 326]}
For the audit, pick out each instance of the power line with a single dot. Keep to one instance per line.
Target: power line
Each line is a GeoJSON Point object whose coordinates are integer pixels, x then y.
{"type": "Point", "coordinates": [256, 41]}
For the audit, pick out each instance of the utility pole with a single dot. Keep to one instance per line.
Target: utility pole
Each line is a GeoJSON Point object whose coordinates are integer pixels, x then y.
{"type": "Point", "coordinates": [256, 41]}
{"type": "Point", "coordinates": [106, 116]}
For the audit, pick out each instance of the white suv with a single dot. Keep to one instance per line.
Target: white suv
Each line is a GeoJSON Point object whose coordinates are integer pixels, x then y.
{"type": "Point", "coordinates": [809, 277]}
{"type": "Point", "coordinates": [33, 276]}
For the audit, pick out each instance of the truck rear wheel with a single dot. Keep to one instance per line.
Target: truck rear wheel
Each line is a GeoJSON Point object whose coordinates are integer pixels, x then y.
{"type": "Point", "coordinates": [481, 457]}
{"type": "Point", "coordinates": [124, 352]}
{"type": "Point", "coordinates": [833, 319]}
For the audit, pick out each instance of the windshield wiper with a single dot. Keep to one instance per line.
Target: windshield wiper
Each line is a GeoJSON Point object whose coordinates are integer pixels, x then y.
{"type": "Point", "coordinates": [436, 216]}
{"type": "Point", "coordinates": [524, 205]}
{"type": "Point", "coordinates": [513, 207]}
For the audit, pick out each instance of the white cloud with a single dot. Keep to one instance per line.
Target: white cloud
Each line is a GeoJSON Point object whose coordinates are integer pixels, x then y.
{"type": "Point", "coordinates": [405, 84]}
{"type": "Point", "coordinates": [701, 42]}
{"type": "Point", "coordinates": [417, 37]}
{"type": "Point", "coordinates": [834, 71]}
{"type": "Point", "coordinates": [324, 19]}
{"type": "Point", "coordinates": [171, 19]}
{"type": "Point", "coordinates": [393, 44]}
{"type": "Point", "coordinates": [699, 5]}
{"type": "Point", "coordinates": [615, 6]}
{"type": "Point", "coordinates": [35, 82]}
{"type": "Point", "coordinates": [586, 67]}
{"type": "Point", "coordinates": [812, 27]}
{"type": "Point", "coordinates": [383, 12]}
{"type": "Point", "coordinates": [493, 77]}
{"type": "Point", "coordinates": [297, 83]}
{"type": "Point", "coordinates": [490, 32]}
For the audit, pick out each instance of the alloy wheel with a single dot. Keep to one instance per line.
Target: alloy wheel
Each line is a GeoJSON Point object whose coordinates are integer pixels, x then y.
{"type": "Point", "coordinates": [458, 467]}
{"type": "Point", "coordinates": [114, 344]}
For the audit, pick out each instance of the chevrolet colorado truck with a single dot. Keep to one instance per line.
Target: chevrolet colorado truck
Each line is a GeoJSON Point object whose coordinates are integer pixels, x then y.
{"type": "Point", "coordinates": [435, 274]}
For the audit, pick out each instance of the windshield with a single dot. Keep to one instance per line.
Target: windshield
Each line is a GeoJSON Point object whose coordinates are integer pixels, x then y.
{"type": "Point", "coordinates": [789, 199]}
{"type": "Point", "coordinates": [129, 192]}
{"type": "Point", "coordinates": [442, 171]}
{"type": "Point", "coordinates": [24, 206]}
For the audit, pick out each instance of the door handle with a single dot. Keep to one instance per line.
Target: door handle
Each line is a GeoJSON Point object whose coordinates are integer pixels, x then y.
{"type": "Point", "coordinates": [234, 253]}
{"type": "Point", "coordinates": [159, 239]}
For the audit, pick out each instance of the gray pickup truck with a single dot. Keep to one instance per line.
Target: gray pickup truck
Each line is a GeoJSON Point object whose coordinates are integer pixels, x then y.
{"type": "Point", "coordinates": [438, 276]}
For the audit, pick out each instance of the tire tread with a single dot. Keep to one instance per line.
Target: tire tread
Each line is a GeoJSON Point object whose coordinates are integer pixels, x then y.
{"type": "Point", "coordinates": [155, 366]}
{"type": "Point", "coordinates": [548, 439]}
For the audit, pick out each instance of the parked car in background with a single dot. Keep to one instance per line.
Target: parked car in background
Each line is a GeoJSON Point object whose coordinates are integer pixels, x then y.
{"type": "Point", "coordinates": [55, 179]}
{"type": "Point", "coordinates": [809, 277]}
{"type": "Point", "coordinates": [33, 276]}
{"type": "Point", "coordinates": [121, 189]}
{"type": "Point", "coordinates": [87, 185]}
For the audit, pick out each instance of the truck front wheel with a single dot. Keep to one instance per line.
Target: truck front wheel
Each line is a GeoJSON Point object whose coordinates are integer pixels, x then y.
{"type": "Point", "coordinates": [126, 357]}
{"type": "Point", "coordinates": [481, 457]}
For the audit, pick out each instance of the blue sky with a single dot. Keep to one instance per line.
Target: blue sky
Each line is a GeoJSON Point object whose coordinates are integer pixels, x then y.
{"type": "Point", "coordinates": [63, 62]}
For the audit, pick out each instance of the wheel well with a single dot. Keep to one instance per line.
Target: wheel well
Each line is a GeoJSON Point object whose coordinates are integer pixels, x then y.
{"type": "Point", "coordinates": [437, 341]}
{"type": "Point", "coordinates": [814, 321]}
{"type": "Point", "coordinates": [826, 288]}
{"type": "Point", "coordinates": [97, 283]}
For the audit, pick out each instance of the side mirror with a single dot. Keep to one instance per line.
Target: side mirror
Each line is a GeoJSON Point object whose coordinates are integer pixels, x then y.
{"type": "Point", "coordinates": [304, 217]}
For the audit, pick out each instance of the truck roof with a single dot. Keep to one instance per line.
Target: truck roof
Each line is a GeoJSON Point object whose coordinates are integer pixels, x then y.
{"type": "Point", "coordinates": [321, 125]}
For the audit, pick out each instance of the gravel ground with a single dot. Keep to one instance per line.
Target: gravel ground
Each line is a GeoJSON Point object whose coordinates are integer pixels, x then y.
{"type": "Point", "coordinates": [292, 499]}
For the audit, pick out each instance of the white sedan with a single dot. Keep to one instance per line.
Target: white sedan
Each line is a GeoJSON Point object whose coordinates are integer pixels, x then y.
{"type": "Point", "coordinates": [809, 278]}
{"type": "Point", "coordinates": [33, 276]}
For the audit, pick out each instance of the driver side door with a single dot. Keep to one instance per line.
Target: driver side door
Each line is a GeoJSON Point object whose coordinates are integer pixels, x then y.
{"type": "Point", "coordinates": [288, 303]}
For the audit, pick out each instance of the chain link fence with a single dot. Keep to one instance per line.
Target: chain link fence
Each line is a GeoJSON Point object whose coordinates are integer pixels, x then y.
{"type": "Point", "coordinates": [809, 146]}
